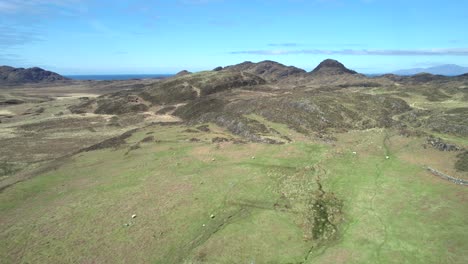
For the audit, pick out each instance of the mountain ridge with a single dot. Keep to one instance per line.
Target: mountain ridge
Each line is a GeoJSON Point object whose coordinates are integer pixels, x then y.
{"type": "Point", "coordinates": [445, 69]}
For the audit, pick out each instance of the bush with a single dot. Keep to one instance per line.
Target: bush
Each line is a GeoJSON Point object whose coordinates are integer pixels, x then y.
{"type": "Point", "coordinates": [462, 162]}
{"type": "Point", "coordinates": [7, 168]}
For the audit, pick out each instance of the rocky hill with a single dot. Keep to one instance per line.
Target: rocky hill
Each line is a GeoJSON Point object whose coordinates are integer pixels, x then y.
{"type": "Point", "coordinates": [329, 98]}
{"type": "Point", "coordinates": [331, 67]}
{"type": "Point", "coordinates": [268, 70]}
{"type": "Point", "coordinates": [10, 75]}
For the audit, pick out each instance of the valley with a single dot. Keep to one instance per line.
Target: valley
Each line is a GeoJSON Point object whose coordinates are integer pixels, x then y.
{"type": "Point", "coordinates": [249, 163]}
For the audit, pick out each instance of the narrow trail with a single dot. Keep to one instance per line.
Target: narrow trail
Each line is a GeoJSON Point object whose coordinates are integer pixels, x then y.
{"type": "Point", "coordinates": [379, 171]}
{"type": "Point", "coordinates": [243, 75]}
{"type": "Point", "coordinates": [224, 215]}
{"type": "Point", "coordinates": [232, 210]}
{"type": "Point", "coordinates": [229, 211]}
{"type": "Point", "coordinates": [196, 89]}
{"type": "Point", "coordinates": [181, 253]}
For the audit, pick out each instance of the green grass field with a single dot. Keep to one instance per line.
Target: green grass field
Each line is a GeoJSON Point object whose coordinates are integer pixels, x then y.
{"type": "Point", "coordinates": [204, 202]}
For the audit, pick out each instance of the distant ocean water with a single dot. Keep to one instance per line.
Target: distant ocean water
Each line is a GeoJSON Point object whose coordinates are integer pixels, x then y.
{"type": "Point", "coordinates": [373, 74]}
{"type": "Point", "coordinates": [111, 77]}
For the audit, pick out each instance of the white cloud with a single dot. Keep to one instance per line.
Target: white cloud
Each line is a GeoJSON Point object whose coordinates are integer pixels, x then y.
{"type": "Point", "coordinates": [376, 52]}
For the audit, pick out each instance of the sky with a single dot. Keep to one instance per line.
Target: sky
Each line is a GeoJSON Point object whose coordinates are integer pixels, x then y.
{"type": "Point", "coordinates": [166, 36]}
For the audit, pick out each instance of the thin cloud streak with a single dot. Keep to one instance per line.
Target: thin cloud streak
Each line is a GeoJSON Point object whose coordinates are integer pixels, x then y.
{"type": "Point", "coordinates": [200, 2]}
{"type": "Point", "coordinates": [10, 59]}
{"type": "Point", "coordinates": [15, 35]}
{"type": "Point", "coordinates": [13, 7]}
{"type": "Point", "coordinates": [363, 52]}
{"type": "Point", "coordinates": [283, 44]}
{"type": "Point", "coordinates": [23, 20]}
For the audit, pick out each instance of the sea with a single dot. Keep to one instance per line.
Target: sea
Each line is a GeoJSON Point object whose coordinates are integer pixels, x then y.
{"type": "Point", "coordinates": [112, 77]}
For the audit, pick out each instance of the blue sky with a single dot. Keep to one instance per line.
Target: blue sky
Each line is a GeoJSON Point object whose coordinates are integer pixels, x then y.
{"type": "Point", "coordinates": [116, 37]}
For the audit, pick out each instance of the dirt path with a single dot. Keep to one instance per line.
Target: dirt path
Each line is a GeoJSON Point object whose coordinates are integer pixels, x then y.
{"type": "Point", "coordinates": [196, 89]}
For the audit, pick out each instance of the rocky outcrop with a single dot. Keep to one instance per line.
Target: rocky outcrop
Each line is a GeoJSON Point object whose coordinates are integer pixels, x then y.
{"type": "Point", "coordinates": [439, 144]}
{"type": "Point", "coordinates": [182, 73]}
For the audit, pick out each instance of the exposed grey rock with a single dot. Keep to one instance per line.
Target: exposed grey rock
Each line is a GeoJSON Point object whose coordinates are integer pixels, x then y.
{"type": "Point", "coordinates": [439, 144]}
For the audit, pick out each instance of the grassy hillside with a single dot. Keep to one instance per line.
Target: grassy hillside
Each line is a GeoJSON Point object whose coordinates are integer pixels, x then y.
{"type": "Point", "coordinates": [197, 201]}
